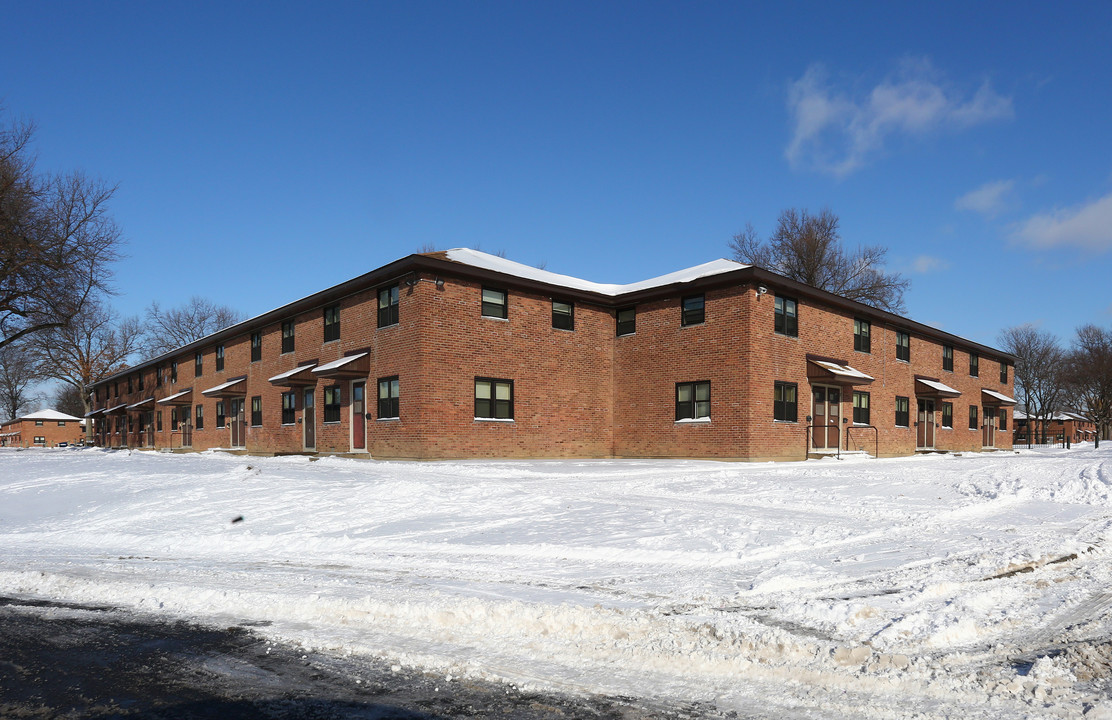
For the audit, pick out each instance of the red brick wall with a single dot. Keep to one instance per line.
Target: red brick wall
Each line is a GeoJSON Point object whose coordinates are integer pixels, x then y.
{"type": "Point", "coordinates": [54, 434]}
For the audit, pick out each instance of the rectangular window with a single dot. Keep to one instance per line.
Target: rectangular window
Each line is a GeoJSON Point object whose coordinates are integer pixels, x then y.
{"type": "Point", "coordinates": [256, 411]}
{"type": "Point", "coordinates": [61, 423]}
{"type": "Point", "coordinates": [1003, 419]}
{"type": "Point", "coordinates": [787, 316]}
{"type": "Point", "coordinates": [332, 323]}
{"type": "Point", "coordinates": [563, 315]}
{"type": "Point", "coordinates": [174, 419]}
{"type": "Point", "coordinates": [862, 342]}
{"type": "Point", "coordinates": [221, 418]}
{"type": "Point", "coordinates": [1003, 374]}
{"type": "Point", "coordinates": [693, 401]}
{"type": "Point", "coordinates": [219, 358]}
{"type": "Point", "coordinates": [129, 389]}
{"type": "Point", "coordinates": [158, 376]}
{"type": "Point", "coordinates": [200, 423]}
{"type": "Point", "coordinates": [860, 408]}
{"type": "Point", "coordinates": [902, 413]}
{"type": "Point", "coordinates": [494, 398]}
{"type": "Point", "coordinates": [158, 420]}
{"type": "Point", "coordinates": [903, 346]}
{"type": "Point", "coordinates": [388, 306]}
{"type": "Point", "coordinates": [198, 365]}
{"type": "Point", "coordinates": [289, 408]}
{"type": "Point", "coordinates": [38, 423]}
{"type": "Point", "coordinates": [173, 372]}
{"type": "Point", "coordinates": [694, 310]}
{"type": "Point", "coordinates": [141, 382]}
{"type": "Point", "coordinates": [973, 424]}
{"type": "Point", "coordinates": [948, 415]}
{"type": "Point", "coordinates": [116, 388]}
{"type": "Point", "coordinates": [948, 357]}
{"type": "Point", "coordinates": [256, 346]}
{"type": "Point", "coordinates": [287, 336]}
{"type": "Point", "coordinates": [494, 303]}
{"type": "Point", "coordinates": [626, 321]}
{"type": "Point", "coordinates": [785, 405]}
{"type": "Point", "coordinates": [332, 399]}
{"type": "Point", "coordinates": [974, 365]}
{"type": "Point", "coordinates": [388, 397]}
{"type": "Point", "coordinates": [40, 440]}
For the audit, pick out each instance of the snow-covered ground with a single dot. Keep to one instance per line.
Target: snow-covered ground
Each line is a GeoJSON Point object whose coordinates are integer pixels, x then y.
{"type": "Point", "coordinates": [938, 586]}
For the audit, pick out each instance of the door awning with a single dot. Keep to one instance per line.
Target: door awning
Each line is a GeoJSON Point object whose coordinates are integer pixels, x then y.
{"type": "Point", "coordinates": [141, 403]}
{"type": "Point", "coordinates": [835, 372]}
{"type": "Point", "coordinates": [185, 397]}
{"type": "Point", "coordinates": [991, 397]}
{"type": "Point", "coordinates": [117, 410]}
{"type": "Point", "coordinates": [234, 388]}
{"type": "Point", "coordinates": [351, 366]}
{"type": "Point", "coordinates": [94, 413]}
{"type": "Point", "coordinates": [931, 388]}
{"type": "Point", "coordinates": [299, 376]}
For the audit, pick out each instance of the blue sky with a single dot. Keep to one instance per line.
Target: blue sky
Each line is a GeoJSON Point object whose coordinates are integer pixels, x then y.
{"type": "Point", "coordinates": [291, 146]}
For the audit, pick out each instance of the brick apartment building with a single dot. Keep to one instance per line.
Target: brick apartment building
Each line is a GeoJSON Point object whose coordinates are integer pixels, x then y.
{"type": "Point", "coordinates": [45, 428]}
{"type": "Point", "coordinates": [462, 354]}
{"type": "Point", "coordinates": [1059, 427]}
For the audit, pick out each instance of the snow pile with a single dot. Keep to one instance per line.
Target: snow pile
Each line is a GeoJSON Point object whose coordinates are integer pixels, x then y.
{"type": "Point", "coordinates": [929, 586]}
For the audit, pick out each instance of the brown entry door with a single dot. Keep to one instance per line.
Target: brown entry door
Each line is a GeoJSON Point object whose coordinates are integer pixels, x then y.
{"type": "Point", "coordinates": [309, 420]}
{"type": "Point", "coordinates": [988, 430]}
{"type": "Point", "coordinates": [925, 426]}
{"type": "Point", "coordinates": [239, 422]}
{"type": "Point", "coordinates": [358, 415]}
{"type": "Point", "coordinates": [826, 411]}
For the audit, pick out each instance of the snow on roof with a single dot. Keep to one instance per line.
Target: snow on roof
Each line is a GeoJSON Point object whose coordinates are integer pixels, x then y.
{"type": "Point", "coordinates": [115, 408]}
{"type": "Point", "coordinates": [48, 415]}
{"type": "Point", "coordinates": [998, 396]}
{"type": "Point", "coordinates": [175, 396]}
{"type": "Point", "coordinates": [221, 386]}
{"type": "Point", "coordinates": [509, 267]}
{"type": "Point", "coordinates": [338, 363]}
{"type": "Point", "coordinates": [141, 403]}
{"type": "Point", "coordinates": [290, 373]}
{"type": "Point", "coordinates": [943, 387]}
{"type": "Point", "coordinates": [843, 370]}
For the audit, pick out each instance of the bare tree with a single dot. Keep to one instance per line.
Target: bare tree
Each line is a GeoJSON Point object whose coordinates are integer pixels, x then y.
{"type": "Point", "coordinates": [1089, 376]}
{"type": "Point", "coordinates": [17, 377]}
{"type": "Point", "coordinates": [69, 400]}
{"type": "Point", "coordinates": [808, 248]}
{"type": "Point", "coordinates": [169, 329]}
{"type": "Point", "coordinates": [94, 345]}
{"type": "Point", "coordinates": [1039, 374]}
{"type": "Point", "coordinates": [57, 241]}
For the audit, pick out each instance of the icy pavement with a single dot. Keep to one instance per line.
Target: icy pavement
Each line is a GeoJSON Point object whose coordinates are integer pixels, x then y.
{"type": "Point", "coordinates": [935, 586]}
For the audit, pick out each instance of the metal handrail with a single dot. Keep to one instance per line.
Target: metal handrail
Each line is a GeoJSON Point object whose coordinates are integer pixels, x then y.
{"type": "Point", "coordinates": [876, 437]}
{"type": "Point", "coordinates": [825, 429]}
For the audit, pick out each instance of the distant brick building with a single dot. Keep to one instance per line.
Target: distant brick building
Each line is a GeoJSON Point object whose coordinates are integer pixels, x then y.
{"type": "Point", "coordinates": [1059, 427]}
{"type": "Point", "coordinates": [463, 354]}
{"type": "Point", "coordinates": [45, 428]}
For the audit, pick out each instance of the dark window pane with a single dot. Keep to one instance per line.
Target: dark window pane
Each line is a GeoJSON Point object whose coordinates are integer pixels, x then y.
{"type": "Point", "coordinates": [256, 347]}
{"type": "Point", "coordinates": [287, 336]}
{"type": "Point", "coordinates": [494, 303]}
{"type": "Point", "coordinates": [862, 342]}
{"type": "Point", "coordinates": [332, 401]}
{"type": "Point", "coordinates": [694, 307]}
{"type": "Point", "coordinates": [626, 321]}
{"type": "Point", "coordinates": [861, 412]}
{"type": "Point", "coordinates": [256, 411]}
{"type": "Point", "coordinates": [332, 323]}
{"type": "Point", "coordinates": [388, 306]}
{"type": "Point", "coordinates": [494, 398]}
{"type": "Point", "coordinates": [388, 405]}
{"type": "Point", "coordinates": [948, 358]}
{"type": "Point", "coordinates": [200, 424]}
{"type": "Point", "coordinates": [692, 401]}
{"type": "Point", "coordinates": [563, 315]}
{"type": "Point", "coordinates": [786, 316]}
{"type": "Point", "coordinates": [903, 346]}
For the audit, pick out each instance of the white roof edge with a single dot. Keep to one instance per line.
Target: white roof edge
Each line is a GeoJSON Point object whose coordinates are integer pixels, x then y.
{"type": "Point", "coordinates": [339, 363]}
{"type": "Point", "coordinates": [286, 374]}
{"type": "Point", "coordinates": [48, 414]}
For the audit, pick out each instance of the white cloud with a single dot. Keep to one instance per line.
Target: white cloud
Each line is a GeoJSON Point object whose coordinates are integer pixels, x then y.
{"type": "Point", "coordinates": [836, 133]}
{"type": "Point", "coordinates": [1086, 226]}
{"type": "Point", "coordinates": [926, 263]}
{"type": "Point", "coordinates": [989, 200]}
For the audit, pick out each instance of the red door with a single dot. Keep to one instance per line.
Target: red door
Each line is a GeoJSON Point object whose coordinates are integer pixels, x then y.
{"type": "Point", "coordinates": [358, 416]}
{"type": "Point", "coordinates": [925, 425]}
{"type": "Point", "coordinates": [826, 417]}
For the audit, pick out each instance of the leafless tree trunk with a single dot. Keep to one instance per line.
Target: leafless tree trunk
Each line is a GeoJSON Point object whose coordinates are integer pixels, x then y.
{"type": "Point", "coordinates": [57, 241]}
{"type": "Point", "coordinates": [68, 399]}
{"type": "Point", "coordinates": [92, 347]}
{"type": "Point", "coordinates": [1039, 376]}
{"type": "Point", "coordinates": [1089, 376]}
{"type": "Point", "coordinates": [808, 248]}
{"type": "Point", "coordinates": [17, 376]}
{"type": "Point", "coordinates": [166, 330]}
